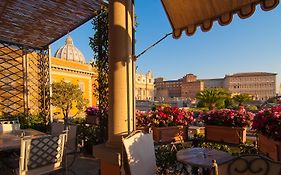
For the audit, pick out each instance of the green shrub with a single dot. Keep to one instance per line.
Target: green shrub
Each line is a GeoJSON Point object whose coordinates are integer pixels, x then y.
{"type": "Point", "coordinates": [88, 134]}
{"type": "Point", "coordinates": [36, 122]}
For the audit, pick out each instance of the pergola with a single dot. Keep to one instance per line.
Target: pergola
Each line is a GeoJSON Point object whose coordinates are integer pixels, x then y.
{"type": "Point", "coordinates": [27, 28]}
{"type": "Point", "coordinates": [32, 25]}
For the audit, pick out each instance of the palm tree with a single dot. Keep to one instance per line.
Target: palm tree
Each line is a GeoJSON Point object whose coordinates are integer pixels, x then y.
{"type": "Point", "coordinates": [242, 98]}
{"type": "Point", "coordinates": [212, 98]}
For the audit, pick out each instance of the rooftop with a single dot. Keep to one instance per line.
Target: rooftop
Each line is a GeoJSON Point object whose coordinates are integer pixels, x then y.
{"type": "Point", "coordinates": [244, 74]}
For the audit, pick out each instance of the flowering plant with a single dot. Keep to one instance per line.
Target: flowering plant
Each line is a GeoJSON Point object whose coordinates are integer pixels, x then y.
{"type": "Point", "coordinates": [92, 111]}
{"type": "Point", "coordinates": [228, 117]}
{"type": "Point", "coordinates": [93, 115]}
{"type": "Point", "coordinates": [142, 119]}
{"type": "Point", "coordinates": [163, 116]}
{"type": "Point", "coordinates": [268, 122]}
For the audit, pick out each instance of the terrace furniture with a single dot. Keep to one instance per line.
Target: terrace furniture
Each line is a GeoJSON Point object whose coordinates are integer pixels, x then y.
{"type": "Point", "coordinates": [39, 155]}
{"type": "Point", "coordinates": [247, 165]}
{"type": "Point", "coordinates": [201, 158]}
{"type": "Point", "coordinates": [140, 153]}
{"type": "Point", "coordinates": [10, 140]}
{"type": "Point", "coordinates": [71, 150]}
{"type": "Point", "coordinates": [7, 124]}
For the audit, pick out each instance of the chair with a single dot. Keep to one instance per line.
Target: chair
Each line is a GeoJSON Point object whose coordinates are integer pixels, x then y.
{"type": "Point", "coordinates": [71, 144]}
{"type": "Point", "coordinates": [247, 165]}
{"type": "Point", "coordinates": [9, 124]}
{"type": "Point", "coordinates": [140, 153]}
{"type": "Point", "coordinates": [41, 155]}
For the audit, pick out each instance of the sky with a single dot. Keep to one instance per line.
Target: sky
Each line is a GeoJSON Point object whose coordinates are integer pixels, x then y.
{"type": "Point", "coordinates": [245, 45]}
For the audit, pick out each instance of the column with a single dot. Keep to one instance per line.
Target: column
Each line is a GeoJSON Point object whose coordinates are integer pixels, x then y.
{"type": "Point", "coordinates": [120, 70]}
{"type": "Point", "coordinates": [121, 85]}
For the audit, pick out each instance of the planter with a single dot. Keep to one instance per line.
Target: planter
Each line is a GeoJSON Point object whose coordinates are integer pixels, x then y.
{"type": "Point", "coordinates": [92, 119]}
{"type": "Point", "coordinates": [233, 135]}
{"type": "Point", "coordinates": [170, 133]}
{"type": "Point", "coordinates": [269, 147]}
{"type": "Point", "coordinates": [145, 129]}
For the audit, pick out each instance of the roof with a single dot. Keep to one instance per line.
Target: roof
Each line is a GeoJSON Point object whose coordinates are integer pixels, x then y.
{"type": "Point", "coordinates": [187, 15]}
{"type": "Point", "coordinates": [38, 23]}
{"type": "Point", "coordinates": [246, 74]}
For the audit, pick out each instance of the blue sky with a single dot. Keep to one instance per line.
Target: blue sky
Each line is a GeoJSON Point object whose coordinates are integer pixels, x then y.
{"type": "Point", "coordinates": [248, 45]}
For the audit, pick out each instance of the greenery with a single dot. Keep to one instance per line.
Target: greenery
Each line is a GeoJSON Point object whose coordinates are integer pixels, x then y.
{"type": "Point", "coordinates": [241, 99]}
{"type": "Point", "coordinates": [212, 98]}
{"type": "Point", "coordinates": [166, 160]}
{"type": "Point", "coordinates": [88, 135]}
{"type": "Point", "coordinates": [66, 96]}
{"type": "Point", "coordinates": [33, 121]}
{"type": "Point", "coordinates": [99, 44]}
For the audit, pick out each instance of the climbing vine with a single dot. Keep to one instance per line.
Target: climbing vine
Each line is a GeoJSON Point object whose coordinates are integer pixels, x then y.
{"type": "Point", "coordinates": [99, 44]}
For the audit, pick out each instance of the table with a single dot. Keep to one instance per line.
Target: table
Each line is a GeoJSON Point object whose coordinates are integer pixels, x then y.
{"type": "Point", "coordinates": [11, 140]}
{"type": "Point", "coordinates": [202, 157]}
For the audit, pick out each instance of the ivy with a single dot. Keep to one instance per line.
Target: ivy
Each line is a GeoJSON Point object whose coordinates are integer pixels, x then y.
{"type": "Point", "coordinates": [99, 44]}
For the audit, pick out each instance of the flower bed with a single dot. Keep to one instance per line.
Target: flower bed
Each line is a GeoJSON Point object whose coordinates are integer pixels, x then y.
{"type": "Point", "coordinates": [267, 122]}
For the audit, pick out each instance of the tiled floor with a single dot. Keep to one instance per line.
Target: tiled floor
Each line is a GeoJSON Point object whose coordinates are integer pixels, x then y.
{"type": "Point", "coordinates": [81, 166]}
{"type": "Point", "coordinates": [84, 166]}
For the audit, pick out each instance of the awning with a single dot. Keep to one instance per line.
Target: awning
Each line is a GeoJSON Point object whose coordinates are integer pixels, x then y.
{"type": "Point", "coordinates": [38, 23]}
{"type": "Point", "coordinates": [187, 15]}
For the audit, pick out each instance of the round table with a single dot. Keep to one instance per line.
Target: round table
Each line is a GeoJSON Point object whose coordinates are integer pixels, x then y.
{"type": "Point", "coordinates": [202, 157]}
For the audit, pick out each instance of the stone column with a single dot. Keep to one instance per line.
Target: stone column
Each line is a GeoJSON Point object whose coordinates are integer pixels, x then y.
{"type": "Point", "coordinates": [121, 69]}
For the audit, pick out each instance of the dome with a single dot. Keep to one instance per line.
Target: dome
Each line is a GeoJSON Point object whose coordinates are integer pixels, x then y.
{"type": "Point", "coordinates": [70, 52]}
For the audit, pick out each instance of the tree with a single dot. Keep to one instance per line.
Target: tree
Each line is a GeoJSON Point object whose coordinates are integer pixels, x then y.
{"type": "Point", "coordinates": [242, 98]}
{"type": "Point", "coordinates": [67, 96]}
{"type": "Point", "coordinates": [212, 98]}
{"type": "Point", "coordinates": [99, 44]}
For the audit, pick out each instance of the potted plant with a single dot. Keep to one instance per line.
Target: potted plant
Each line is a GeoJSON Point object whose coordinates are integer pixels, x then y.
{"type": "Point", "coordinates": [267, 122]}
{"type": "Point", "coordinates": [227, 125]}
{"type": "Point", "coordinates": [142, 121]}
{"type": "Point", "coordinates": [92, 115]}
{"type": "Point", "coordinates": [169, 123]}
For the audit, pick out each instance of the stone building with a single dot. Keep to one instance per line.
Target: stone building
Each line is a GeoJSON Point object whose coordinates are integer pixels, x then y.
{"type": "Point", "coordinates": [191, 86]}
{"type": "Point", "coordinates": [144, 86]}
{"type": "Point", "coordinates": [261, 85]}
{"type": "Point", "coordinates": [69, 65]}
{"type": "Point", "coordinates": [167, 90]}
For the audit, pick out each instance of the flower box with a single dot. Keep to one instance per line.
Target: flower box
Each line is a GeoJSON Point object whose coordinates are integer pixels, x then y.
{"type": "Point", "coordinates": [92, 119]}
{"type": "Point", "coordinates": [169, 133]}
{"type": "Point", "coordinates": [269, 147]}
{"type": "Point", "coordinates": [233, 135]}
{"type": "Point", "coordinates": [145, 129]}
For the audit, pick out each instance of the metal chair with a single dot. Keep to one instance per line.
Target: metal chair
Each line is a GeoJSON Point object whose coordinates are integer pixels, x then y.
{"type": "Point", "coordinates": [140, 153]}
{"type": "Point", "coordinates": [247, 165]}
{"type": "Point", "coordinates": [41, 155]}
{"type": "Point", "coordinates": [71, 150]}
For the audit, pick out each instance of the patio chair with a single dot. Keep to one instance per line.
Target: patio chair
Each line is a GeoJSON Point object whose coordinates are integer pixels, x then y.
{"type": "Point", "coordinates": [39, 155]}
{"type": "Point", "coordinates": [247, 165]}
{"type": "Point", "coordinates": [71, 150]}
{"type": "Point", "coordinates": [9, 124]}
{"type": "Point", "coordinates": [140, 153]}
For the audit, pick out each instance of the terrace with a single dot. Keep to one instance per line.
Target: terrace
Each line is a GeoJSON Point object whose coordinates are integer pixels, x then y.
{"type": "Point", "coordinates": [28, 28]}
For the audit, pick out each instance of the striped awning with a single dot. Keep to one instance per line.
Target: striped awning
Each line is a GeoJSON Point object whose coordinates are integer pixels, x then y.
{"type": "Point", "coordinates": [187, 15]}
